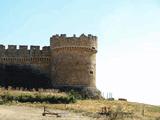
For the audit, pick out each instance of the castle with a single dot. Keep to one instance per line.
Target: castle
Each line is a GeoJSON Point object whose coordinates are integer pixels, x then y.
{"type": "Point", "coordinates": [67, 62]}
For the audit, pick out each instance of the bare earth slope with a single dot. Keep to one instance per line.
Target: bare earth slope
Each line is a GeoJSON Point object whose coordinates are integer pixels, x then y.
{"type": "Point", "coordinates": [32, 113]}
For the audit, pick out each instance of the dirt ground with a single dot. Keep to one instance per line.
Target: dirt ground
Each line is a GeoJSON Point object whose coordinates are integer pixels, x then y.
{"type": "Point", "coordinates": [13, 112]}
{"type": "Point", "coordinates": [31, 113]}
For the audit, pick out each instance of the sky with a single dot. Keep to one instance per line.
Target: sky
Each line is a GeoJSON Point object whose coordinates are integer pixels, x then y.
{"type": "Point", "coordinates": [128, 58]}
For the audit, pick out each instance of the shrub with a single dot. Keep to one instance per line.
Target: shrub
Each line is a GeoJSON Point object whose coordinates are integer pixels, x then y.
{"type": "Point", "coordinates": [74, 94]}
{"type": "Point", "coordinates": [38, 98]}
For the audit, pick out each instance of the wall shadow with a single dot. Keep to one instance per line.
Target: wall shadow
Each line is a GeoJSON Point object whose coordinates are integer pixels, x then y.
{"type": "Point", "coordinates": [23, 76]}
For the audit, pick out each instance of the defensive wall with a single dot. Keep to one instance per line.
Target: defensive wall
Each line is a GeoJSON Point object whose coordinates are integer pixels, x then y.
{"type": "Point", "coordinates": [68, 61]}
{"type": "Point", "coordinates": [24, 56]}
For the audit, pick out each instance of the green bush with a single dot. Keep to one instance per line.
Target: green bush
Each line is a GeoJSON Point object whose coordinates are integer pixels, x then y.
{"type": "Point", "coordinates": [75, 95]}
{"type": "Point", "coordinates": [38, 98]}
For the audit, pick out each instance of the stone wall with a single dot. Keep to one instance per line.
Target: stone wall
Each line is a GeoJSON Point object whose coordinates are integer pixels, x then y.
{"type": "Point", "coordinates": [62, 40]}
{"type": "Point", "coordinates": [25, 76]}
{"type": "Point", "coordinates": [24, 56]}
{"type": "Point", "coordinates": [74, 60]}
{"type": "Point", "coordinates": [68, 61]}
{"type": "Point", "coordinates": [23, 67]}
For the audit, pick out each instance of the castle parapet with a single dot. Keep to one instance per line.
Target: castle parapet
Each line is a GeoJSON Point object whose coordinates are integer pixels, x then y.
{"type": "Point", "coordinates": [2, 50]}
{"type": "Point", "coordinates": [35, 48]}
{"type": "Point", "coordinates": [46, 48]}
{"type": "Point", "coordinates": [59, 41]}
{"type": "Point", "coordinates": [12, 47]}
{"type": "Point", "coordinates": [2, 47]}
{"type": "Point", "coordinates": [23, 47]}
{"type": "Point", "coordinates": [12, 54]}
{"type": "Point", "coordinates": [46, 51]}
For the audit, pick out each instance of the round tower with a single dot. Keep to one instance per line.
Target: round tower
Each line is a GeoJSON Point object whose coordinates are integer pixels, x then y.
{"type": "Point", "coordinates": [73, 61]}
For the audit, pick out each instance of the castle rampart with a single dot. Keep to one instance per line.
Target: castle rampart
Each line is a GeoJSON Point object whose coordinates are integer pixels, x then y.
{"type": "Point", "coordinates": [68, 61]}
{"type": "Point", "coordinates": [24, 56]}
{"type": "Point", "coordinates": [82, 41]}
{"type": "Point", "coordinates": [23, 51]}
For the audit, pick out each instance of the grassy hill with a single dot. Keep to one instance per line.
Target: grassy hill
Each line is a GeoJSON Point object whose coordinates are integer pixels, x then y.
{"type": "Point", "coordinates": [121, 110]}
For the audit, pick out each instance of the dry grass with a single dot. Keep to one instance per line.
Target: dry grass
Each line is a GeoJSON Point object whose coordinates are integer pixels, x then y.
{"type": "Point", "coordinates": [141, 111]}
{"type": "Point", "coordinates": [94, 106]}
{"type": "Point", "coordinates": [41, 91]}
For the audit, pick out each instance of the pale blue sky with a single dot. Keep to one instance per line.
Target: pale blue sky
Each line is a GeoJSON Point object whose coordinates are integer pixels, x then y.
{"type": "Point", "coordinates": [128, 32]}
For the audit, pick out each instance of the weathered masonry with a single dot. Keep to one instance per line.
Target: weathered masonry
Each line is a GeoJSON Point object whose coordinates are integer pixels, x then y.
{"type": "Point", "coordinates": [68, 61]}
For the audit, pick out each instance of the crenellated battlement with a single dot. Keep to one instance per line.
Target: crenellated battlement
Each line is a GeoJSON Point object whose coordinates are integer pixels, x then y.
{"type": "Point", "coordinates": [68, 61]}
{"type": "Point", "coordinates": [89, 36]}
{"type": "Point", "coordinates": [24, 47]}
{"type": "Point", "coordinates": [23, 55]}
{"type": "Point", "coordinates": [58, 41]}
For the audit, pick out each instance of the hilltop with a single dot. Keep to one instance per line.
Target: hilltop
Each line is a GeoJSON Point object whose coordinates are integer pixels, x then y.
{"type": "Point", "coordinates": [86, 108]}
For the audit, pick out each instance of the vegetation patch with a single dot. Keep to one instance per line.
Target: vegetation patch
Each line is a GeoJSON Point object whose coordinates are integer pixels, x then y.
{"type": "Point", "coordinates": [36, 98]}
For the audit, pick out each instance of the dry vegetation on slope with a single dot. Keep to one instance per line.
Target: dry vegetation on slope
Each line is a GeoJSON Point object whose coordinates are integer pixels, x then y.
{"type": "Point", "coordinates": [119, 109]}
{"type": "Point", "coordinates": [92, 108]}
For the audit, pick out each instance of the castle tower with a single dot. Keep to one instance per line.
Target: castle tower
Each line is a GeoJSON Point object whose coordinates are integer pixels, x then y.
{"type": "Point", "coordinates": [73, 60]}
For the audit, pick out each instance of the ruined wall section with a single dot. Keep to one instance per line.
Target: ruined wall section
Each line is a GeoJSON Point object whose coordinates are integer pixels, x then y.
{"type": "Point", "coordinates": [23, 56]}
{"type": "Point", "coordinates": [74, 60]}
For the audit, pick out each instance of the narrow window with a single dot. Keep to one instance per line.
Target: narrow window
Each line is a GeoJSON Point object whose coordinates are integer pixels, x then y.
{"type": "Point", "coordinates": [91, 72]}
